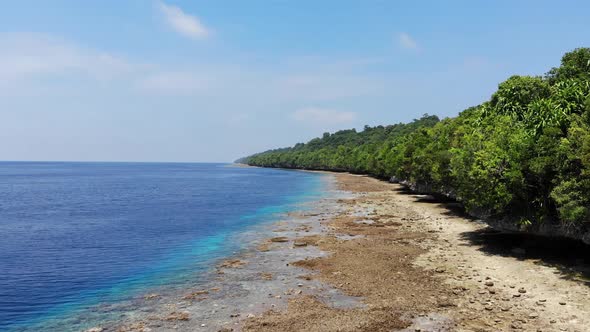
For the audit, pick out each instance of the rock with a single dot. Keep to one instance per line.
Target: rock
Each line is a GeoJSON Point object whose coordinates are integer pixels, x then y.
{"type": "Point", "coordinates": [175, 316]}
{"type": "Point", "coordinates": [443, 301]}
{"type": "Point", "coordinates": [250, 316]}
{"type": "Point", "coordinates": [562, 302]}
{"type": "Point", "coordinates": [232, 263]}
{"type": "Point", "coordinates": [439, 270]}
{"type": "Point", "coordinates": [522, 290]}
{"type": "Point", "coordinates": [299, 244]}
{"type": "Point", "coordinates": [279, 239]}
{"type": "Point", "coordinates": [533, 315]}
{"type": "Point", "coordinates": [489, 283]}
{"type": "Point", "coordinates": [95, 329]}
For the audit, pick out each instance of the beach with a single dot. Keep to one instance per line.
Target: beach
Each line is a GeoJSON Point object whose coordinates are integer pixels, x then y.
{"type": "Point", "coordinates": [374, 257]}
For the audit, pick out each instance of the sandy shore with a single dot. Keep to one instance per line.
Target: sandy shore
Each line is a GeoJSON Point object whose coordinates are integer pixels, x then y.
{"type": "Point", "coordinates": [376, 258]}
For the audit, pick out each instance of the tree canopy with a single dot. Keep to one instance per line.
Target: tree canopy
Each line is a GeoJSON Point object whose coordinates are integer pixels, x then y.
{"type": "Point", "coordinates": [525, 153]}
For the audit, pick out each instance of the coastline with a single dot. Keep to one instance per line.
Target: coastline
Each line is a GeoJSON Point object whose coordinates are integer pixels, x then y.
{"type": "Point", "coordinates": [374, 258]}
{"type": "Point", "coordinates": [240, 285]}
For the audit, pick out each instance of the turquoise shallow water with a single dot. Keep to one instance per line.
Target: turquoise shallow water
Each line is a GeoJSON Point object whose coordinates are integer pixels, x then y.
{"type": "Point", "coordinates": [79, 235]}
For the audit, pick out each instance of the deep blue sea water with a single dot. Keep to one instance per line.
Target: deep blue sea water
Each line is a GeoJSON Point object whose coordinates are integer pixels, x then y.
{"type": "Point", "coordinates": [73, 235]}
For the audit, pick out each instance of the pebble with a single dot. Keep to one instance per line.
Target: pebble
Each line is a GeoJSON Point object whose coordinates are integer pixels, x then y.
{"type": "Point", "coordinates": [489, 283]}
{"type": "Point", "coordinates": [522, 290]}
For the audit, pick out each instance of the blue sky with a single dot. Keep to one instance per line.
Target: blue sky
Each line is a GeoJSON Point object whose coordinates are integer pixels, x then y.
{"type": "Point", "coordinates": [143, 80]}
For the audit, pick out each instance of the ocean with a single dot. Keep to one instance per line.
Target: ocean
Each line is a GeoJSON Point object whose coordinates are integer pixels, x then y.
{"type": "Point", "coordinates": [74, 236]}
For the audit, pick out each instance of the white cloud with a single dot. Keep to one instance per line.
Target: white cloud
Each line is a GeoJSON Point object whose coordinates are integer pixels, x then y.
{"type": "Point", "coordinates": [406, 41]}
{"type": "Point", "coordinates": [323, 116]}
{"type": "Point", "coordinates": [183, 23]}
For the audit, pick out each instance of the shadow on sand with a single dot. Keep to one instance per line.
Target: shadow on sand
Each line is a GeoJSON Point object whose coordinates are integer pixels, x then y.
{"type": "Point", "coordinates": [570, 257]}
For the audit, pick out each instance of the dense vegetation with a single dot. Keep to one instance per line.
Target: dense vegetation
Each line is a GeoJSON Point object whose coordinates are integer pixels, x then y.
{"type": "Point", "coordinates": [525, 153]}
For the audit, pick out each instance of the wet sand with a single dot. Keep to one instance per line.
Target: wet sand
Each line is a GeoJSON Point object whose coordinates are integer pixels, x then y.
{"type": "Point", "coordinates": [374, 258]}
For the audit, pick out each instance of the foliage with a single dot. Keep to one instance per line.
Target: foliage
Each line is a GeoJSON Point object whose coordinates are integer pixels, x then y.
{"type": "Point", "coordinates": [525, 153]}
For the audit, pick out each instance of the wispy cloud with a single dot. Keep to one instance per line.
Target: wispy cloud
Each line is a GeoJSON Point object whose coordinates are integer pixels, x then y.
{"type": "Point", "coordinates": [407, 42]}
{"type": "Point", "coordinates": [183, 23]}
{"type": "Point", "coordinates": [323, 116]}
{"type": "Point", "coordinates": [28, 54]}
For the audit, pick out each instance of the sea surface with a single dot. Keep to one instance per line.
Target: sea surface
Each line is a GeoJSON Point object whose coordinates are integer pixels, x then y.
{"type": "Point", "coordinates": [74, 236]}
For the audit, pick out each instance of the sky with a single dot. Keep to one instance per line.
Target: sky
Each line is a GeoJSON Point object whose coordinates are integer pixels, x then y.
{"type": "Point", "coordinates": [212, 81]}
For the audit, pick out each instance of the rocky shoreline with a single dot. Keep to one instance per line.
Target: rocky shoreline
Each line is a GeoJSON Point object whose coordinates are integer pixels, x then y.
{"type": "Point", "coordinates": [377, 258]}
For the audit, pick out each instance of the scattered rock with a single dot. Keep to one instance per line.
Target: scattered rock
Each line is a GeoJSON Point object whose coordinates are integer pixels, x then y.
{"type": "Point", "coordinates": [266, 276]}
{"type": "Point", "coordinates": [197, 295]}
{"type": "Point", "coordinates": [183, 316]}
{"type": "Point", "coordinates": [151, 296]}
{"type": "Point", "coordinates": [95, 329]}
{"type": "Point", "coordinates": [444, 301]}
{"type": "Point", "coordinates": [232, 263]}
{"type": "Point", "coordinates": [279, 239]}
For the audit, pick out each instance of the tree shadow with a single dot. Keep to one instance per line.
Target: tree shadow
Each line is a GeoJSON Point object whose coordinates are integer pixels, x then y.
{"type": "Point", "coordinates": [451, 206]}
{"type": "Point", "coordinates": [570, 257]}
